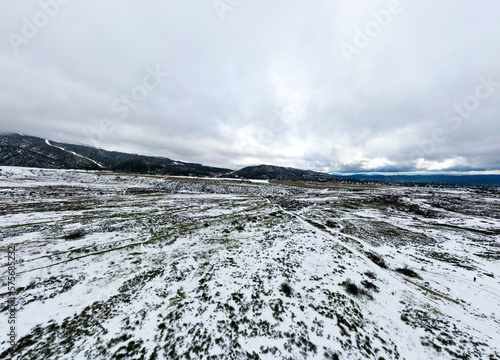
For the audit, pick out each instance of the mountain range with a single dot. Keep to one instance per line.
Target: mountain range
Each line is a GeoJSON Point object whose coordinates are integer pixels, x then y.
{"type": "Point", "coordinates": [435, 179]}
{"type": "Point", "coordinates": [31, 151]}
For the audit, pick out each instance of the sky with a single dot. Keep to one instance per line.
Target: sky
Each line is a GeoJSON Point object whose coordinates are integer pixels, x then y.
{"type": "Point", "coordinates": [334, 86]}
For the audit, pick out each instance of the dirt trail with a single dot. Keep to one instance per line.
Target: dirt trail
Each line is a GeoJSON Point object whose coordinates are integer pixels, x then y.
{"type": "Point", "coordinates": [476, 285]}
{"type": "Point", "coordinates": [431, 291]}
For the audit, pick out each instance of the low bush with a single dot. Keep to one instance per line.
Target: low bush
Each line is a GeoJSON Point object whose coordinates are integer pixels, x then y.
{"type": "Point", "coordinates": [75, 234]}
{"type": "Point", "coordinates": [371, 275]}
{"type": "Point", "coordinates": [353, 289]}
{"type": "Point", "coordinates": [330, 355]}
{"type": "Point", "coordinates": [332, 224]}
{"type": "Point", "coordinates": [408, 272]}
{"type": "Point", "coordinates": [377, 259]}
{"type": "Point", "coordinates": [369, 285]}
{"type": "Point", "coordinates": [286, 289]}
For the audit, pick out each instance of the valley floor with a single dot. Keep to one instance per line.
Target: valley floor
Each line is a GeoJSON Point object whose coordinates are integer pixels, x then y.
{"type": "Point", "coordinates": [131, 267]}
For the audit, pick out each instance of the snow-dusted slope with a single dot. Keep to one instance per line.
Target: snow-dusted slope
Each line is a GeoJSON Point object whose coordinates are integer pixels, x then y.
{"type": "Point", "coordinates": [132, 267]}
{"type": "Point", "coordinates": [32, 151]}
{"type": "Point", "coordinates": [74, 153]}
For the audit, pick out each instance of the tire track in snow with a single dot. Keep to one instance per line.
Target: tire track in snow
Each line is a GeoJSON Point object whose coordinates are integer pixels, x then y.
{"type": "Point", "coordinates": [460, 313]}
{"type": "Point", "coordinates": [386, 274]}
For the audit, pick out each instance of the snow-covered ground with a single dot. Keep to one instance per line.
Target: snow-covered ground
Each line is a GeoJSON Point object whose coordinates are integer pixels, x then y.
{"type": "Point", "coordinates": [140, 267]}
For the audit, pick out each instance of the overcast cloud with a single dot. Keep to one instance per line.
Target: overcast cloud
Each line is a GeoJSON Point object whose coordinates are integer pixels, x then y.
{"type": "Point", "coordinates": [324, 85]}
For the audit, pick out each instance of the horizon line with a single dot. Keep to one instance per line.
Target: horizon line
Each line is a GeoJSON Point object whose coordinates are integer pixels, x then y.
{"type": "Point", "coordinates": [422, 173]}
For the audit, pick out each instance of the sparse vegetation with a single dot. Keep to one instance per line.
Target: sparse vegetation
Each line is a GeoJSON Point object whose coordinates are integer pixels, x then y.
{"type": "Point", "coordinates": [353, 289]}
{"type": "Point", "coordinates": [377, 259]}
{"type": "Point", "coordinates": [371, 275]}
{"type": "Point", "coordinates": [330, 355]}
{"type": "Point", "coordinates": [240, 227]}
{"type": "Point", "coordinates": [406, 270]}
{"type": "Point", "coordinates": [286, 289]}
{"type": "Point", "coordinates": [207, 267]}
{"type": "Point", "coordinates": [369, 285]}
{"type": "Point", "coordinates": [75, 234]}
{"type": "Point", "coordinates": [332, 224]}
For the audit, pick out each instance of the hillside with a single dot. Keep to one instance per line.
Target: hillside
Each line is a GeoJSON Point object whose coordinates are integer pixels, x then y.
{"type": "Point", "coordinates": [271, 172]}
{"type": "Point", "coordinates": [31, 151]}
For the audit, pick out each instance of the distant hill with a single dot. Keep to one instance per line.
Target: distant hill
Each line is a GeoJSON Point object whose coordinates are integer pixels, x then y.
{"type": "Point", "coordinates": [32, 151]}
{"type": "Point", "coordinates": [271, 172]}
{"type": "Point", "coordinates": [493, 180]}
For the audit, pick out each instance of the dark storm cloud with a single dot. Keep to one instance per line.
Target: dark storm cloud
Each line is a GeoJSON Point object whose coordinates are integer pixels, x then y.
{"type": "Point", "coordinates": [326, 85]}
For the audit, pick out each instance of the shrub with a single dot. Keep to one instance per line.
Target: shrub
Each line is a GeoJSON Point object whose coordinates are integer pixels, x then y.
{"type": "Point", "coordinates": [371, 275]}
{"type": "Point", "coordinates": [286, 289]}
{"type": "Point", "coordinates": [408, 272]}
{"type": "Point", "coordinates": [353, 289]}
{"type": "Point", "coordinates": [377, 259]}
{"type": "Point", "coordinates": [369, 285]}
{"type": "Point", "coordinates": [75, 234]}
{"type": "Point", "coordinates": [330, 355]}
{"type": "Point", "coordinates": [331, 224]}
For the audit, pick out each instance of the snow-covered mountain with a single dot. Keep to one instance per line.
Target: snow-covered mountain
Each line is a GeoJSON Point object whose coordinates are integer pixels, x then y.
{"type": "Point", "coordinates": [272, 172]}
{"type": "Point", "coordinates": [31, 151]}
